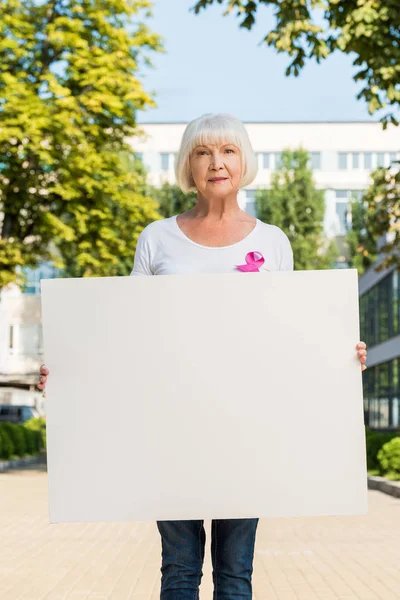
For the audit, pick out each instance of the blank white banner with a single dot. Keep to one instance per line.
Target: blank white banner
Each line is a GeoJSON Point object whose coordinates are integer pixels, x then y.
{"type": "Point", "coordinates": [204, 396]}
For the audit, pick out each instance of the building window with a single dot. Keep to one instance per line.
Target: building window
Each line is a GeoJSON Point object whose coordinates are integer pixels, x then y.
{"type": "Point", "coordinates": [265, 160]}
{"type": "Point", "coordinates": [342, 160]}
{"type": "Point", "coordinates": [380, 159]}
{"type": "Point", "coordinates": [278, 160]}
{"type": "Point", "coordinates": [356, 160]}
{"type": "Point", "coordinates": [164, 161]}
{"type": "Point", "coordinates": [368, 160]}
{"type": "Point", "coordinates": [11, 338]}
{"type": "Point", "coordinates": [139, 156]}
{"type": "Point", "coordinates": [380, 310]}
{"type": "Point", "coordinates": [315, 160]}
{"type": "Point", "coordinates": [393, 159]}
{"type": "Point", "coordinates": [382, 395]}
{"type": "Point", "coordinates": [349, 194]}
{"type": "Point", "coordinates": [343, 214]}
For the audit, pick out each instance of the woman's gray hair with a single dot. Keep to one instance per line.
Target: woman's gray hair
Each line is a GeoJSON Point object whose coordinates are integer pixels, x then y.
{"type": "Point", "coordinates": [214, 129]}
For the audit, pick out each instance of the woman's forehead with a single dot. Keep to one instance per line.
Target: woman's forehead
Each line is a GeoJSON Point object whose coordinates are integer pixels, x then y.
{"type": "Point", "coordinates": [215, 143]}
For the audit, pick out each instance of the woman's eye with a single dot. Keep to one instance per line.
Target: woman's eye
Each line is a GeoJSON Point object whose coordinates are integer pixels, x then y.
{"type": "Point", "coordinates": [229, 150]}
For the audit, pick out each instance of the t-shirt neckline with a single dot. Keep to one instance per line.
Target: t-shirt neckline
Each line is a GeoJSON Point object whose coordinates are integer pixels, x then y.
{"type": "Point", "coordinates": [183, 235]}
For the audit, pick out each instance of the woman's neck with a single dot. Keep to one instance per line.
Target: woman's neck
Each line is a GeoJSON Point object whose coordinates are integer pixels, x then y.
{"type": "Point", "coordinates": [216, 209]}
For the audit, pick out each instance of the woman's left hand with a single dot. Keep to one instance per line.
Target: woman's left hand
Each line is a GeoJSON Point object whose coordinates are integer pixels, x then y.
{"type": "Point", "coordinates": [362, 354]}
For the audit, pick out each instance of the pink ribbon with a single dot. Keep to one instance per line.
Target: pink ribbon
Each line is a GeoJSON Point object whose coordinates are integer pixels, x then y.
{"type": "Point", "coordinates": [254, 260]}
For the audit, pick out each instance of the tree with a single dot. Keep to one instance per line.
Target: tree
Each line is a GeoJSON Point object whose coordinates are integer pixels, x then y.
{"type": "Point", "coordinates": [293, 204]}
{"type": "Point", "coordinates": [305, 29]}
{"type": "Point", "coordinates": [376, 223]}
{"type": "Point", "coordinates": [171, 200]}
{"type": "Point", "coordinates": [62, 134]}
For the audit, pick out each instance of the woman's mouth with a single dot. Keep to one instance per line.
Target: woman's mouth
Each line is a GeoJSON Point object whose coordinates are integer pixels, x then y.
{"type": "Point", "coordinates": [217, 179]}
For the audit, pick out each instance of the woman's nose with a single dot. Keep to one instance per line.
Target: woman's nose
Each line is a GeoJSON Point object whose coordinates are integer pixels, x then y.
{"type": "Point", "coordinates": [216, 161]}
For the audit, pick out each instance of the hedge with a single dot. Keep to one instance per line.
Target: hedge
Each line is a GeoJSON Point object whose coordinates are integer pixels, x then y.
{"type": "Point", "coordinates": [17, 440]}
{"type": "Point", "coordinates": [375, 440]}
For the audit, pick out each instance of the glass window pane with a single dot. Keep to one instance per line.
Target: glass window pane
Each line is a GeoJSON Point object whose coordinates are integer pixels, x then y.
{"type": "Point", "coordinates": [367, 160]}
{"type": "Point", "coordinates": [380, 159]}
{"type": "Point", "coordinates": [395, 376]}
{"type": "Point", "coordinates": [266, 160]}
{"type": "Point", "coordinates": [164, 161]}
{"type": "Point", "coordinates": [342, 213]}
{"type": "Point", "coordinates": [315, 160]}
{"type": "Point", "coordinates": [383, 412]}
{"type": "Point", "coordinates": [393, 159]}
{"type": "Point", "coordinates": [356, 160]}
{"type": "Point", "coordinates": [384, 308]}
{"type": "Point", "coordinates": [278, 160]}
{"type": "Point", "coordinates": [373, 413]}
{"type": "Point", "coordinates": [342, 160]}
{"type": "Point", "coordinates": [342, 193]}
{"type": "Point", "coordinates": [395, 302]}
{"type": "Point", "coordinates": [395, 412]}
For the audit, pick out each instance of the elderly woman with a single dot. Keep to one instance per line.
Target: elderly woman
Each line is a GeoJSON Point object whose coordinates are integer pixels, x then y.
{"type": "Point", "coordinates": [215, 159]}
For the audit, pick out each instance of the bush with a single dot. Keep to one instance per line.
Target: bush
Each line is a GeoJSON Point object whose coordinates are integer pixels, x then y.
{"type": "Point", "coordinates": [389, 457]}
{"type": "Point", "coordinates": [39, 426]}
{"type": "Point", "coordinates": [16, 434]}
{"type": "Point", "coordinates": [32, 440]}
{"type": "Point", "coordinates": [374, 441]}
{"type": "Point", "coordinates": [6, 445]}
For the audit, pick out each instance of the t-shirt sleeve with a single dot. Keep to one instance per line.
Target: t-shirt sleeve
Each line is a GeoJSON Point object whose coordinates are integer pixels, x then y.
{"type": "Point", "coordinates": [286, 263]}
{"type": "Point", "coordinates": [142, 260]}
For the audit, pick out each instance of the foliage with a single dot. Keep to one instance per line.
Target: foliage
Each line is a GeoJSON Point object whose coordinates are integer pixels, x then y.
{"type": "Point", "coordinates": [16, 434]}
{"type": "Point", "coordinates": [389, 457]}
{"type": "Point", "coordinates": [375, 440]}
{"type": "Point", "coordinates": [376, 223]}
{"type": "Point", "coordinates": [39, 426]}
{"type": "Point", "coordinates": [65, 192]}
{"type": "Point", "coordinates": [368, 30]}
{"type": "Point", "coordinates": [6, 445]}
{"type": "Point", "coordinates": [18, 440]}
{"type": "Point", "coordinates": [297, 207]}
{"type": "Point", "coordinates": [171, 200]}
{"type": "Point", "coordinates": [33, 440]}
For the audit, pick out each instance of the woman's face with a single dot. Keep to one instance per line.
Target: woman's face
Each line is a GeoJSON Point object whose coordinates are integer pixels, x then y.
{"type": "Point", "coordinates": [216, 169]}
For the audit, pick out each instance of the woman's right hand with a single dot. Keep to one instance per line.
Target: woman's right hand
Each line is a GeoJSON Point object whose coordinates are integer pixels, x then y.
{"type": "Point", "coordinates": [44, 372]}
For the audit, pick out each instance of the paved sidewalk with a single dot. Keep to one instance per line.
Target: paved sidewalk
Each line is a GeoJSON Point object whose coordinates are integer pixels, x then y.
{"type": "Point", "coordinates": [330, 558]}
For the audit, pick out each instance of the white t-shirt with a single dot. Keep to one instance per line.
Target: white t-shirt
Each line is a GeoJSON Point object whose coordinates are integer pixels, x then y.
{"type": "Point", "coordinates": [163, 249]}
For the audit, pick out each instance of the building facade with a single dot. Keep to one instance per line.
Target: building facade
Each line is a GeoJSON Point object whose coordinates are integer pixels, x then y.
{"type": "Point", "coordinates": [380, 329]}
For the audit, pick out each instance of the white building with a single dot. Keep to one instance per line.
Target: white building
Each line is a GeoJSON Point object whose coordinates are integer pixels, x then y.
{"type": "Point", "coordinates": [342, 156]}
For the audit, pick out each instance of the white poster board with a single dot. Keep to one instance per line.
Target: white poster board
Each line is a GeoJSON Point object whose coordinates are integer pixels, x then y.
{"type": "Point", "coordinates": [204, 397]}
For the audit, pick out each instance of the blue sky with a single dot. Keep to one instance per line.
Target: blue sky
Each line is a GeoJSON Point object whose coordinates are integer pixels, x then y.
{"type": "Point", "coordinates": [211, 65]}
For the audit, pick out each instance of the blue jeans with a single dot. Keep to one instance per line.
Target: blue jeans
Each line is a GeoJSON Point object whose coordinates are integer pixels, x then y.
{"type": "Point", "coordinates": [232, 552]}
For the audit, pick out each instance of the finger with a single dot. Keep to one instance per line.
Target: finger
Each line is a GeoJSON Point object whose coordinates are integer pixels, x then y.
{"type": "Point", "coordinates": [362, 353]}
{"type": "Point", "coordinates": [41, 386]}
{"type": "Point", "coordinates": [361, 345]}
{"type": "Point", "coordinates": [44, 370]}
{"type": "Point", "coordinates": [363, 367]}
